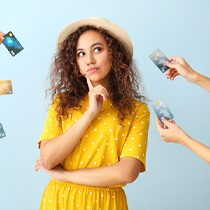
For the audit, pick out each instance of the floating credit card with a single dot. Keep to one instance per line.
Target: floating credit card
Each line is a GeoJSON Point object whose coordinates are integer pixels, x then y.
{"type": "Point", "coordinates": [5, 87]}
{"type": "Point", "coordinates": [12, 44]}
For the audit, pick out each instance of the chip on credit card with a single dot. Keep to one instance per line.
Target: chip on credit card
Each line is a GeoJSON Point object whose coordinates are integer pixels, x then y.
{"type": "Point", "coordinates": [162, 110]}
{"type": "Point", "coordinates": [160, 60]}
{"type": "Point", "coordinates": [5, 87]}
{"type": "Point", "coordinates": [2, 133]}
{"type": "Point", "coordinates": [12, 44]}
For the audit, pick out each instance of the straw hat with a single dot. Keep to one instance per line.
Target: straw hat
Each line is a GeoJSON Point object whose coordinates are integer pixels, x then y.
{"type": "Point", "coordinates": [97, 22]}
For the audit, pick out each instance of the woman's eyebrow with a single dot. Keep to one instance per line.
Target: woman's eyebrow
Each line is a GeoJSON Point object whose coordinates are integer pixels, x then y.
{"type": "Point", "coordinates": [96, 44]}
{"type": "Point", "coordinates": [90, 46]}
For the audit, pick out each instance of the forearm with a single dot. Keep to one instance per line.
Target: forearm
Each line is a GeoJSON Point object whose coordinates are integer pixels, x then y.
{"type": "Point", "coordinates": [56, 150]}
{"type": "Point", "coordinates": [119, 173]}
{"type": "Point", "coordinates": [101, 176]}
{"type": "Point", "coordinates": [201, 81]}
{"type": "Point", "coordinates": [200, 149]}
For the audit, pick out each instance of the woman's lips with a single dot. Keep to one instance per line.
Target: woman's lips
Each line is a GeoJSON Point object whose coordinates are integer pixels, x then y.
{"type": "Point", "coordinates": [92, 70]}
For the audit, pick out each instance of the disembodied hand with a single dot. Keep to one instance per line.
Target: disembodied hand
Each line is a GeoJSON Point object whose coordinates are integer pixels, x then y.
{"type": "Point", "coordinates": [179, 67]}
{"type": "Point", "coordinates": [1, 37]}
{"type": "Point", "coordinates": [168, 131]}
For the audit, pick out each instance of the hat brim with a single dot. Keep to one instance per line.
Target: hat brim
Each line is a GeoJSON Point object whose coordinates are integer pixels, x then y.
{"type": "Point", "coordinates": [100, 23]}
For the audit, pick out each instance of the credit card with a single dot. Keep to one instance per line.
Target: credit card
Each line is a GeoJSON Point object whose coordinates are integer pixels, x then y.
{"type": "Point", "coordinates": [159, 60]}
{"type": "Point", "coordinates": [162, 110]}
{"type": "Point", "coordinates": [2, 133]}
{"type": "Point", "coordinates": [12, 44]}
{"type": "Point", "coordinates": [5, 87]}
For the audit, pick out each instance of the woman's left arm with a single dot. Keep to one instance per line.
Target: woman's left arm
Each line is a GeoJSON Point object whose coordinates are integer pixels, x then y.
{"type": "Point", "coordinates": [120, 173]}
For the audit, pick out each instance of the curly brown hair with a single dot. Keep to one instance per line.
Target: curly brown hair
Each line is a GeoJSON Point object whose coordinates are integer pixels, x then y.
{"type": "Point", "coordinates": [71, 87]}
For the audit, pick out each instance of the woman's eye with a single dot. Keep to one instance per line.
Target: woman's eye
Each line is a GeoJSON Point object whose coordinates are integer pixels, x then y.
{"type": "Point", "coordinates": [97, 49]}
{"type": "Point", "coordinates": [80, 54]}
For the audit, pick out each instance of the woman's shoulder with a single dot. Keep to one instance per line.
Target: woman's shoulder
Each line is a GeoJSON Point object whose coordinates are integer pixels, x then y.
{"type": "Point", "coordinates": [59, 97]}
{"type": "Point", "coordinates": [64, 103]}
{"type": "Point", "coordinates": [140, 106]}
{"type": "Point", "coordinates": [56, 99]}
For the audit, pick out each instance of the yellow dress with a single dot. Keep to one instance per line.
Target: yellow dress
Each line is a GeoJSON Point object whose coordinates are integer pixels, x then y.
{"type": "Point", "coordinates": [104, 143]}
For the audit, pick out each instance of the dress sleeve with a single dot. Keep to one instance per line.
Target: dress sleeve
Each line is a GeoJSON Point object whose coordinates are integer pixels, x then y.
{"type": "Point", "coordinates": [136, 142]}
{"type": "Point", "coordinates": [53, 126]}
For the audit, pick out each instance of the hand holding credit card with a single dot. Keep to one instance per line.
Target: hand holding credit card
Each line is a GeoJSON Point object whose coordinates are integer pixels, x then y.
{"type": "Point", "coordinates": [160, 60]}
{"type": "Point", "coordinates": [162, 110]}
{"type": "Point", "coordinates": [12, 44]}
{"type": "Point", "coordinates": [1, 37]}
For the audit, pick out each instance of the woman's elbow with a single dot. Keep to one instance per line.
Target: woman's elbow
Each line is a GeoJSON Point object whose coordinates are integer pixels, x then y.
{"type": "Point", "coordinates": [46, 156]}
{"type": "Point", "coordinates": [47, 162]}
{"type": "Point", "coordinates": [130, 168]}
{"type": "Point", "coordinates": [129, 177]}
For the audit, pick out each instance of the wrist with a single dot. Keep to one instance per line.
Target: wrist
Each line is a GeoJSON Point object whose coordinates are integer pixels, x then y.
{"type": "Point", "coordinates": [89, 115]}
{"type": "Point", "coordinates": [184, 139]}
{"type": "Point", "coordinates": [64, 176]}
{"type": "Point", "coordinates": [193, 77]}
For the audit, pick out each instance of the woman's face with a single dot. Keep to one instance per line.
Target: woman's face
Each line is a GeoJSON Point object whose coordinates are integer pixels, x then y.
{"type": "Point", "coordinates": [93, 56]}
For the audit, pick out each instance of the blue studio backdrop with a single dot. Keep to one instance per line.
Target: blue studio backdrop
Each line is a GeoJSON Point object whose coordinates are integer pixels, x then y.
{"type": "Point", "coordinates": [175, 177]}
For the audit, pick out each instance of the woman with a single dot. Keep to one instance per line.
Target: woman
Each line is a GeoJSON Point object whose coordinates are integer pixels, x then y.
{"type": "Point", "coordinates": [95, 135]}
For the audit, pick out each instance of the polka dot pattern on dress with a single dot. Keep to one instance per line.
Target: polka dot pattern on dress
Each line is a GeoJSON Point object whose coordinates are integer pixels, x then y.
{"type": "Point", "coordinates": [104, 143]}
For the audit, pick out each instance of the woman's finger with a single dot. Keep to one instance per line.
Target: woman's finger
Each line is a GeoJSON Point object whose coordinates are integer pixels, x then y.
{"type": "Point", "coordinates": [100, 90]}
{"type": "Point", "coordinates": [172, 121]}
{"type": "Point", "coordinates": [90, 86]}
{"type": "Point", "coordinates": [175, 59]}
{"type": "Point", "coordinates": [162, 125]}
{"type": "Point", "coordinates": [38, 164]}
{"type": "Point", "coordinates": [99, 93]}
{"type": "Point", "coordinates": [1, 37]}
{"type": "Point", "coordinates": [176, 74]}
{"type": "Point", "coordinates": [158, 124]}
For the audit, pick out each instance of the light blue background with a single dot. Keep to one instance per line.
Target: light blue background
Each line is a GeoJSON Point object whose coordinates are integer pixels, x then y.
{"type": "Point", "coordinates": [175, 178]}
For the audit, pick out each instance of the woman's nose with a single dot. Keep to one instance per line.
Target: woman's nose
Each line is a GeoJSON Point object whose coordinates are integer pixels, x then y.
{"type": "Point", "coordinates": [90, 59]}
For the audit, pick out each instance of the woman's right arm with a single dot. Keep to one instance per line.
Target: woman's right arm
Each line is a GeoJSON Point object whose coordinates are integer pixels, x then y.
{"type": "Point", "coordinates": [54, 151]}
